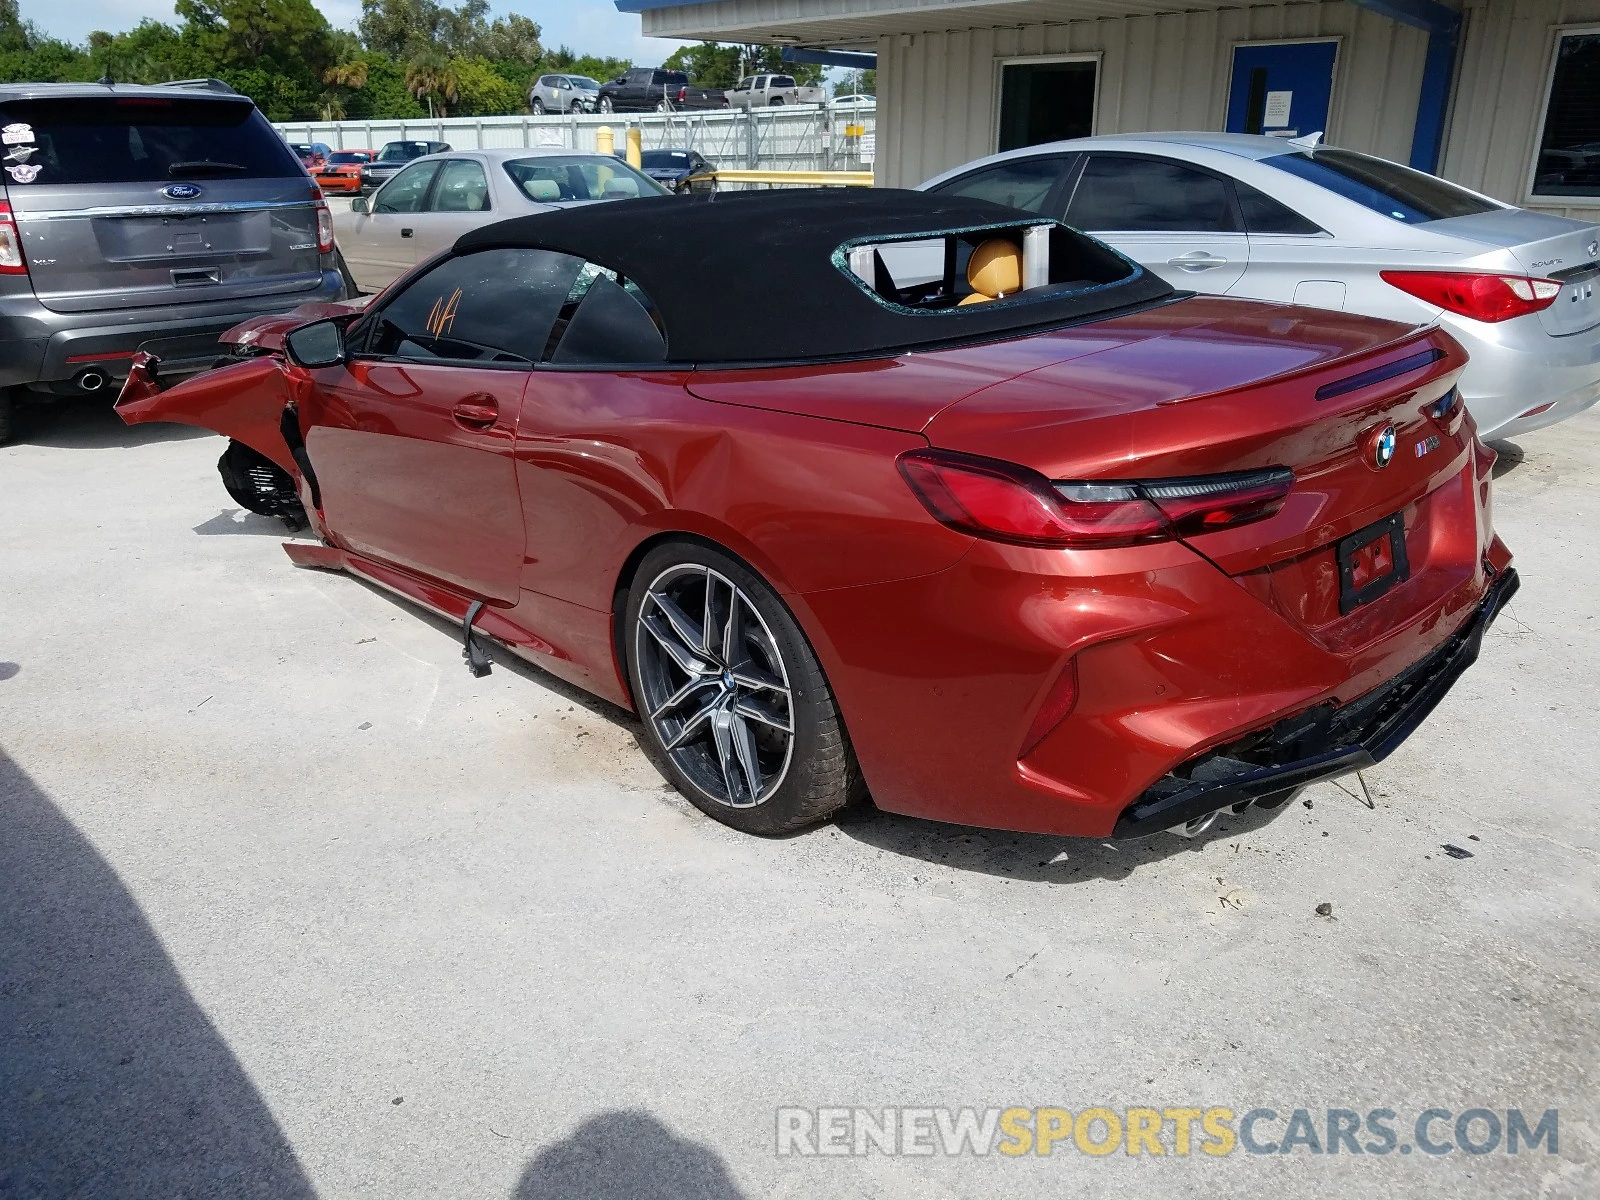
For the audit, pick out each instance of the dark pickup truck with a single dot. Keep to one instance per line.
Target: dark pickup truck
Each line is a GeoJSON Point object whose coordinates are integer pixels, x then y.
{"type": "Point", "coordinates": [651, 89]}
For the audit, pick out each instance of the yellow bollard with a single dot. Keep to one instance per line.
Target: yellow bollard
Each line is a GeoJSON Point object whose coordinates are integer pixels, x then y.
{"type": "Point", "coordinates": [635, 146]}
{"type": "Point", "coordinates": [605, 141]}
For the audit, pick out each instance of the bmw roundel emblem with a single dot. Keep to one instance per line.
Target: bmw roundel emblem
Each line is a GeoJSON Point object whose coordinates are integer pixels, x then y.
{"type": "Point", "coordinates": [182, 191]}
{"type": "Point", "coordinates": [1383, 446]}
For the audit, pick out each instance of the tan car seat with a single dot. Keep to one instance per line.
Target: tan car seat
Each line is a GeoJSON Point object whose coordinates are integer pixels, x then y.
{"type": "Point", "coordinates": [994, 270]}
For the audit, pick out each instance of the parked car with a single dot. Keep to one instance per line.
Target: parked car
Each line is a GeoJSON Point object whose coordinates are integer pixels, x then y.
{"type": "Point", "coordinates": [651, 89]}
{"type": "Point", "coordinates": [1312, 224]}
{"type": "Point", "coordinates": [312, 155]}
{"type": "Point", "coordinates": [143, 218]}
{"type": "Point", "coordinates": [1094, 557]}
{"type": "Point", "coordinates": [392, 158]}
{"type": "Point", "coordinates": [854, 102]}
{"type": "Point", "coordinates": [679, 170]}
{"type": "Point", "coordinates": [342, 171]}
{"type": "Point", "coordinates": [437, 198]}
{"type": "Point", "coordinates": [563, 94]}
{"type": "Point", "coordinates": [762, 91]}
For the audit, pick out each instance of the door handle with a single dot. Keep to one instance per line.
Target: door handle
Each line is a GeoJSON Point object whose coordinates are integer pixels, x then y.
{"type": "Point", "coordinates": [476, 412]}
{"type": "Point", "coordinates": [405, 233]}
{"type": "Point", "coordinates": [1197, 260]}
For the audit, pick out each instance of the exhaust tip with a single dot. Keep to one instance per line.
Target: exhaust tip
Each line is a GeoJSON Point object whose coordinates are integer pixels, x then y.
{"type": "Point", "coordinates": [92, 381]}
{"type": "Point", "coordinates": [1195, 827]}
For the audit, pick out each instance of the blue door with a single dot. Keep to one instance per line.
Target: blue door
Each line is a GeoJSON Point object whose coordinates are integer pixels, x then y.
{"type": "Point", "coordinates": [1281, 89]}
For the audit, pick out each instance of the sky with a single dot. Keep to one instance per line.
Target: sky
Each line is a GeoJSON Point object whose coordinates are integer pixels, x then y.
{"type": "Point", "coordinates": [588, 26]}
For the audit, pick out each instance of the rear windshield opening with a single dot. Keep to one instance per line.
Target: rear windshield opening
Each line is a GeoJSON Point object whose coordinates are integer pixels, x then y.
{"type": "Point", "coordinates": [139, 139]}
{"type": "Point", "coordinates": [1384, 187]}
{"type": "Point", "coordinates": [979, 267]}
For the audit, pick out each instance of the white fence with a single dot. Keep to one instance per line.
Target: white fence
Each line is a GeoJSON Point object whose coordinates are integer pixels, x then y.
{"type": "Point", "coordinates": [790, 138]}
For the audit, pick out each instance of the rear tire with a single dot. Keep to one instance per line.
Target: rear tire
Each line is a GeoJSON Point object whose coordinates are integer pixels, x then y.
{"type": "Point", "coordinates": [775, 102]}
{"type": "Point", "coordinates": [537, 106]}
{"type": "Point", "coordinates": [742, 721]}
{"type": "Point", "coordinates": [606, 106]}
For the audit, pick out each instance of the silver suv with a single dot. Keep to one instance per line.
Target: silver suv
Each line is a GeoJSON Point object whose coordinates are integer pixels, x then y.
{"type": "Point", "coordinates": [144, 218]}
{"type": "Point", "coordinates": [563, 94]}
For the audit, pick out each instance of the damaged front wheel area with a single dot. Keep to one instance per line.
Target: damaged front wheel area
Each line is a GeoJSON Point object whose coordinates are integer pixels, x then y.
{"type": "Point", "coordinates": [259, 485]}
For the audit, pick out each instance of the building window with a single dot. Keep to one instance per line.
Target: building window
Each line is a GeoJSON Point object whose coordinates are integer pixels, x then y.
{"type": "Point", "coordinates": [1046, 100]}
{"type": "Point", "coordinates": [1569, 147]}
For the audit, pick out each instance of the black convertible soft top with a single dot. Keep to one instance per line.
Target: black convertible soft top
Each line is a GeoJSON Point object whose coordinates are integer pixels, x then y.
{"type": "Point", "coordinates": [764, 276]}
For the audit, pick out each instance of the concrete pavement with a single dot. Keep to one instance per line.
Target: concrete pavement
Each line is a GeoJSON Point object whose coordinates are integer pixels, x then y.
{"type": "Point", "coordinates": [290, 905]}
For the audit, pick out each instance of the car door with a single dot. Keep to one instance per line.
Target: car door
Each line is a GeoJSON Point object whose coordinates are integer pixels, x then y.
{"type": "Point", "coordinates": [381, 243]}
{"type": "Point", "coordinates": [458, 201]}
{"type": "Point", "coordinates": [1175, 219]}
{"type": "Point", "coordinates": [411, 438]}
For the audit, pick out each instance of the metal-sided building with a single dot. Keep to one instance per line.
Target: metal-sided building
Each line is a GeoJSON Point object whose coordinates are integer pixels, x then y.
{"type": "Point", "coordinates": [1499, 95]}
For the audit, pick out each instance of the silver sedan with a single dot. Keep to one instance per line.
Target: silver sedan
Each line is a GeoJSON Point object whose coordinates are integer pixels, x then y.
{"type": "Point", "coordinates": [1309, 224]}
{"type": "Point", "coordinates": [436, 199]}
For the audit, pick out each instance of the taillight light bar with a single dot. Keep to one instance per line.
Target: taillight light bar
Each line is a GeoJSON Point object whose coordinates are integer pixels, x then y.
{"type": "Point", "coordinates": [12, 260]}
{"type": "Point", "coordinates": [324, 227]}
{"type": "Point", "coordinates": [1005, 502]}
{"type": "Point", "coordinates": [1483, 296]}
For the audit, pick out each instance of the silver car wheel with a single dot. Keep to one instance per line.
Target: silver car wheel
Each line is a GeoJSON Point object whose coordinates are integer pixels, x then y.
{"type": "Point", "coordinates": [715, 686]}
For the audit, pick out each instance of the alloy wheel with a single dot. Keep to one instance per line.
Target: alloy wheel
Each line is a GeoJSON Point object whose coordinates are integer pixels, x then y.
{"type": "Point", "coordinates": [715, 687]}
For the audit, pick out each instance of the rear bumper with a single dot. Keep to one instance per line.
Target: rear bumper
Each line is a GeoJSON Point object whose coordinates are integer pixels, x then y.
{"type": "Point", "coordinates": [41, 346]}
{"type": "Point", "coordinates": [1326, 742]}
{"type": "Point", "coordinates": [1516, 366]}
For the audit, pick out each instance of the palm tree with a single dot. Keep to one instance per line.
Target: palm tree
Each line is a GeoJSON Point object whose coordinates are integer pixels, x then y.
{"type": "Point", "coordinates": [347, 77]}
{"type": "Point", "coordinates": [433, 77]}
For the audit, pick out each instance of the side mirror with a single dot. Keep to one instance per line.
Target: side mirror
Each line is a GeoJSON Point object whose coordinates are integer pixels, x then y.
{"type": "Point", "coordinates": [319, 344]}
{"type": "Point", "coordinates": [358, 204]}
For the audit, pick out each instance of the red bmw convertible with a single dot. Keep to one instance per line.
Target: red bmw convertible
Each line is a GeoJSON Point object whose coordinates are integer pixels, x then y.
{"type": "Point", "coordinates": [1036, 543]}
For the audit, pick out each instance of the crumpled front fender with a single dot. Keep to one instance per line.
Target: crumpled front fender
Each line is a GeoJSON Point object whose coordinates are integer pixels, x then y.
{"type": "Point", "coordinates": [243, 401]}
{"type": "Point", "coordinates": [265, 334]}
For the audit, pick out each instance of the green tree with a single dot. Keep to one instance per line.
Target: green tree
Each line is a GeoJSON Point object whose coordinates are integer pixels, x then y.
{"type": "Point", "coordinates": [566, 61]}
{"type": "Point", "coordinates": [431, 77]}
{"type": "Point", "coordinates": [718, 65]}
{"type": "Point", "coordinates": [857, 83]}
{"type": "Point", "coordinates": [482, 91]}
{"type": "Point", "coordinates": [288, 36]}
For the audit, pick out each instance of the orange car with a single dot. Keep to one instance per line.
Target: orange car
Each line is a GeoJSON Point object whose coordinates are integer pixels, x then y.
{"type": "Point", "coordinates": [342, 171]}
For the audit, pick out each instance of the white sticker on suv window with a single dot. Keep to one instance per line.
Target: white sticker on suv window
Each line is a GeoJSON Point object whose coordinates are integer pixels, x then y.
{"type": "Point", "coordinates": [16, 133]}
{"type": "Point", "coordinates": [25, 174]}
{"type": "Point", "coordinates": [22, 154]}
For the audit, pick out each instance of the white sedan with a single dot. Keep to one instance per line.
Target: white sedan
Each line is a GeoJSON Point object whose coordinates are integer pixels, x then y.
{"type": "Point", "coordinates": [1310, 224]}
{"type": "Point", "coordinates": [435, 199]}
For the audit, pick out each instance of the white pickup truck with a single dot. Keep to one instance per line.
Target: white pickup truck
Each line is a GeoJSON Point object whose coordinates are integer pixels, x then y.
{"type": "Point", "coordinates": [759, 91]}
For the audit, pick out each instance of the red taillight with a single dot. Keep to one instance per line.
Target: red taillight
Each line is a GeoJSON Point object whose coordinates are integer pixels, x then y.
{"type": "Point", "coordinates": [1211, 502]}
{"type": "Point", "coordinates": [1481, 297]}
{"type": "Point", "coordinates": [1005, 502]}
{"type": "Point", "coordinates": [12, 261]}
{"type": "Point", "coordinates": [324, 227]}
{"type": "Point", "coordinates": [683, 94]}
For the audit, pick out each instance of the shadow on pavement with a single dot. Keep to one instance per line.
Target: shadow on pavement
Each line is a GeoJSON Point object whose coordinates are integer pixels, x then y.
{"type": "Point", "coordinates": [90, 423]}
{"type": "Point", "coordinates": [1511, 457]}
{"type": "Point", "coordinates": [234, 521]}
{"type": "Point", "coordinates": [1033, 857]}
{"type": "Point", "coordinates": [626, 1154]}
{"type": "Point", "coordinates": [112, 1080]}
